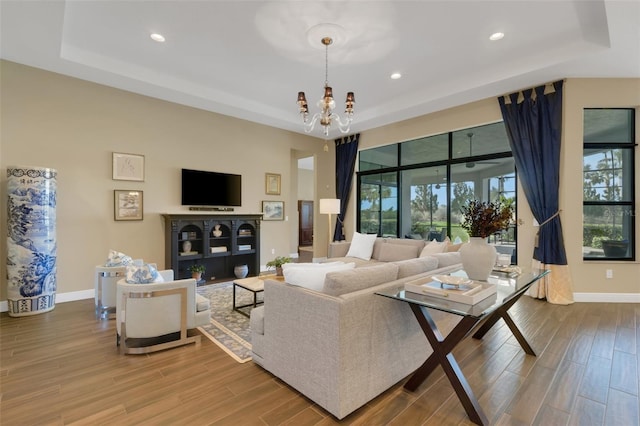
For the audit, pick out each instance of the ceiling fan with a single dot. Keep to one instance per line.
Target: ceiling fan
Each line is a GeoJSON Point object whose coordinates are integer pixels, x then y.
{"type": "Point", "coordinates": [472, 164]}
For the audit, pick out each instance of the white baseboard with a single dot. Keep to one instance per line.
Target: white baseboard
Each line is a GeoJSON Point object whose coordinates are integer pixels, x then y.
{"type": "Point", "coordinates": [578, 297]}
{"type": "Point", "coordinates": [607, 297]}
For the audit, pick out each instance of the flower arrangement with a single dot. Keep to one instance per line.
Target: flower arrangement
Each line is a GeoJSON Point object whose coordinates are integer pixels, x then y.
{"type": "Point", "coordinates": [484, 218]}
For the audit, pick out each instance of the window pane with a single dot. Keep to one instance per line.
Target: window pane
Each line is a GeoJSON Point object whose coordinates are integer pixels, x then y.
{"type": "Point", "coordinates": [425, 150]}
{"type": "Point", "coordinates": [490, 180]}
{"type": "Point", "coordinates": [607, 231]}
{"type": "Point", "coordinates": [379, 204]}
{"type": "Point", "coordinates": [424, 210]}
{"type": "Point", "coordinates": [379, 158]}
{"type": "Point", "coordinates": [606, 174]}
{"type": "Point", "coordinates": [489, 139]}
{"type": "Point", "coordinates": [608, 125]}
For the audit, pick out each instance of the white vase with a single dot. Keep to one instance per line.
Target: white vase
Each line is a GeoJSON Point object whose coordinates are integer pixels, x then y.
{"type": "Point", "coordinates": [241, 271]}
{"type": "Point", "coordinates": [478, 258]}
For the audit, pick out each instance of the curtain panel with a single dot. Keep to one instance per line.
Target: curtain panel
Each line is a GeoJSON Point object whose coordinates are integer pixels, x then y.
{"type": "Point", "coordinates": [533, 120]}
{"type": "Point", "coordinates": [346, 153]}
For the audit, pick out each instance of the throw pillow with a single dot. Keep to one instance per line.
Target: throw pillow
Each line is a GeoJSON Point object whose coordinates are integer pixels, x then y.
{"type": "Point", "coordinates": [453, 247]}
{"type": "Point", "coordinates": [362, 245]}
{"type": "Point", "coordinates": [143, 274]}
{"type": "Point", "coordinates": [338, 283]}
{"type": "Point", "coordinates": [312, 275]}
{"type": "Point", "coordinates": [394, 252]}
{"type": "Point", "coordinates": [434, 247]}
{"type": "Point", "coordinates": [118, 259]}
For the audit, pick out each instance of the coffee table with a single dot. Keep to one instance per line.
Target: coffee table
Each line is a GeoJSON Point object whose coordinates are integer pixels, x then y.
{"type": "Point", "coordinates": [484, 313]}
{"type": "Point", "coordinates": [254, 285]}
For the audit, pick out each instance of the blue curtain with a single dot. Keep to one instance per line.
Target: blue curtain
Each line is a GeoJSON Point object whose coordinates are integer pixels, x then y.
{"type": "Point", "coordinates": [534, 129]}
{"type": "Point", "coordinates": [346, 153]}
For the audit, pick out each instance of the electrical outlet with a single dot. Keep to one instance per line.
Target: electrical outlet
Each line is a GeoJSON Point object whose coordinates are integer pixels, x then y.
{"type": "Point", "coordinates": [273, 251]}
{"type": "Point", "coordinates": [609, 273]}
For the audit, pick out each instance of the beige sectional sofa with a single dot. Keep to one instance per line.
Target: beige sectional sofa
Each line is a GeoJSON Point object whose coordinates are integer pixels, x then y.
{"type": "Point", "coordinates": [344, 345]}
{"type": "Point", "coordinates": [396, 249]}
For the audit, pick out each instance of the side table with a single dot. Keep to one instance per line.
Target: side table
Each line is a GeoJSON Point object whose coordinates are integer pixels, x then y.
{"type": "Point", "coordinates": [105, 290]}
{"type": "Point", "coordinates": [254, 285]}
{"type": "Point", "coordinates": [483, 314]}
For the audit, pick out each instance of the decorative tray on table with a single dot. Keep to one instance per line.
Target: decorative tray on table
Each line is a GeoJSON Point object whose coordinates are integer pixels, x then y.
{"type": "Point", "coordinates": [457, 289]}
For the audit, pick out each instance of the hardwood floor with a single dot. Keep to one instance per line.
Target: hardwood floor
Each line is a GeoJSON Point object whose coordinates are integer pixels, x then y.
{"type": "Point", "coordinates": [62, 367]}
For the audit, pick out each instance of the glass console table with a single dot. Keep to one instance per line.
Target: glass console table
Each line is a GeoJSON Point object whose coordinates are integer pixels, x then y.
{"type": "Point", "coordinates": [482, 315]}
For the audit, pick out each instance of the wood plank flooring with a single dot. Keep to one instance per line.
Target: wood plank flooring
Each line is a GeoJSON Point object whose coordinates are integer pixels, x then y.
{"type": "Point", "coordinates": [63, 368]}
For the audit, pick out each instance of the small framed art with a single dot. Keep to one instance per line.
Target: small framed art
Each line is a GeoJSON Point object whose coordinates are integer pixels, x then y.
{"type": "Point", "coordinates": [273, 210]}
{"type": "Point", "coordinates": [128, 205]}
{"type": "Point", "coordinates": [128, 167]}
{"type": "Point", "coordinates": [272, 184]}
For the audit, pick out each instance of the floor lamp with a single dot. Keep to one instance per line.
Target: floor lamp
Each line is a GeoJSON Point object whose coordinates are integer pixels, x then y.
{"type": "Point", "coordinates": [329, 206]}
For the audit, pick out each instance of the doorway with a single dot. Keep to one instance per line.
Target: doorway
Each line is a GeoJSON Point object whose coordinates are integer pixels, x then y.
{"type": "Point", "coordinates": [306, 195]}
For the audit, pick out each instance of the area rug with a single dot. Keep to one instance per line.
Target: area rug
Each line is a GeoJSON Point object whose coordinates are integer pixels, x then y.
{"type": "Point", "coordinates": [228, 329]}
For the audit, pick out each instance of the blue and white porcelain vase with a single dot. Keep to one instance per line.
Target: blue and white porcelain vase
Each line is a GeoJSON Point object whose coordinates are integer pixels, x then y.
{"type": "Point", "coordinates": [31, 240]}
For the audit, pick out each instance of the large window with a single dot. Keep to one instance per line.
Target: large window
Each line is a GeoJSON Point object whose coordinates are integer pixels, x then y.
{"type": "Point", "coordinates": [608, 189]}
{"type": "Point", "coordinates": [415, 189]}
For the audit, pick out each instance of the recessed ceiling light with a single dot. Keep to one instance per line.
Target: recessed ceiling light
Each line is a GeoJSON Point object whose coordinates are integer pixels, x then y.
{"type": "Point", "coordinates": [157, 37]}
{"type": "Point", "coordinates": [396, 75]}
{"type": "Point", "coordinates": [496, 36]}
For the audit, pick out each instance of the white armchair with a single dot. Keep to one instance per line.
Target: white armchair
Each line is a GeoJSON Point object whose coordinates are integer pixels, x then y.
{"type": "Point", "coordinates": [153, 317]}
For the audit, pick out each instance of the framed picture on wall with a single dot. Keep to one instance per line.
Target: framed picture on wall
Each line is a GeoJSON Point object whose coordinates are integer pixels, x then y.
{"type": "Point", "coordinates": [272, 183]}
{"type": "Point", "coordinates": [273, 210]}
{"type": "Point", "coordinates": [127, 205]}
{"type": "Point", "coordinates": [128, 167]}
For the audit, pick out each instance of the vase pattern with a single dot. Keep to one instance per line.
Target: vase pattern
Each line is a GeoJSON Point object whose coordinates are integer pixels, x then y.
{"type": "Point", "coordinates": [478, 258]}
{"type": "Point", "coordinates": [31, 240]}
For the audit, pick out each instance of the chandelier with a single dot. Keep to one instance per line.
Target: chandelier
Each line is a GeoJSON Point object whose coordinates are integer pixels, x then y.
{"type": "Point", "coordinates": [326, 103]}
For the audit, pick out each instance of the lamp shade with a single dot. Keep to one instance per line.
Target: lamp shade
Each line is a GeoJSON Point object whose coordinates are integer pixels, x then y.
{"type": "Point", "coordinates": [329, 206]}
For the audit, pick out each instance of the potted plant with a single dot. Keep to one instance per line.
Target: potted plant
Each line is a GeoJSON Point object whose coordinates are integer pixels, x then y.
{"type": "Point", "coordinates": [277, 263]}
{"type": "Point", "coordinates": [196, 271]}
{"type": "Point", "coordinates": [482, 219]}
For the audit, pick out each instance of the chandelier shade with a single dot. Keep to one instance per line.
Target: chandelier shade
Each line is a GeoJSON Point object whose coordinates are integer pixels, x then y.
{"type": "Point", "coordinates": [326, 104]}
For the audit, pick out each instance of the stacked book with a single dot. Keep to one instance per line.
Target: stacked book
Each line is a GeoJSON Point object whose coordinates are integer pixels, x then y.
{"type": "Point", "coordinates": [243, 247]}
{"type": "Point", "coordinates": [221, 249]}
{"type": "Point", "coordinates": [244, 232]}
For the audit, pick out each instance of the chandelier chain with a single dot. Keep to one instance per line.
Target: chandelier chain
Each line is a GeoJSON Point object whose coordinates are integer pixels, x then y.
{"type": "Point", "coordinates": [326, 64]}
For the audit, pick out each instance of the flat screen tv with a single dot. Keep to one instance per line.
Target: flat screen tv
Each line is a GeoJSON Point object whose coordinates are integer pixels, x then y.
{"type": "Point", "coordinates": [203, 188]}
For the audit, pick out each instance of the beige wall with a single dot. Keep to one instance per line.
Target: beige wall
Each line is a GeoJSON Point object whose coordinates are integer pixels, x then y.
{"type": "Point", "coordinates": [74, 126]}
{"type": "Point", "coordinates": [588, 277]}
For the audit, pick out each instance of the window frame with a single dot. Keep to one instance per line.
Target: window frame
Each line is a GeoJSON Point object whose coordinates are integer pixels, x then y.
{"type": "Point", "coordinates": [630, 204]}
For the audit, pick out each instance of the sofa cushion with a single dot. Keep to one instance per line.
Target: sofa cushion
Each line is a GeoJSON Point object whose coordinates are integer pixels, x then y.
{"type": "Point", "coordinates": [380, 242]}
{"type": "Point", "coordinates": [202, 303]}
{"type": "Point", "coordinates": [434, 247]}
{"type": "Point", "coordinates": [341, 282]}
{"type": "Point", "coordinates": [311, 275]}
{"type": "Point", "coordinates": [394, 252]}
{"type": "Point", "coordinates": [447, 259]}
{"type": "Point", "coordinates": [362, 245]}
{"type": "Point", "coordinates": [407, 268]}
